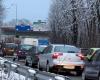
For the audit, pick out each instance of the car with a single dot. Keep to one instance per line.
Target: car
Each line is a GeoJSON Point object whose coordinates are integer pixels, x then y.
{"type": "Point", "coordinates": [92, 67]}
{"type": "Point", "coordinates": [85, 51]}
{"type": "Point", "coordinates": [32, 59]}
{"type": "Point", "coordinates": [23, 50]}
{"type": "Point", "coordinates": [61, 57]}
{"type": "Point", "coordinates": [8, 49]}
{"type": "Point", "coordinates": [91, 53]}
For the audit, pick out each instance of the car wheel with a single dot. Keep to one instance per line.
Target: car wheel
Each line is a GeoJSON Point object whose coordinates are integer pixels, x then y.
{"type": "Point", "coordinates": [78, 73]}
{"type": "Point", "coordinates": [17, 58]}
{"type": "Point", "coordinates": [83, 76]}
{"type": "Point", "coordinates": [47, 68]}
{"type": "Point", "coordinates": [26, 63]}
{"type": "Point", "coordinates": [38, 65]}
{"type": "Point", "coordinates": [3, 54]}
{"type": "Point", "coordinates": [98, 78]}
{"type": "Point", "coordinates": [31, 64]}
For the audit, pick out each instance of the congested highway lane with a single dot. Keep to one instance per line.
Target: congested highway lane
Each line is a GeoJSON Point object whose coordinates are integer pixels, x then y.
{"type": "Point", "coordinates": [71, 75]}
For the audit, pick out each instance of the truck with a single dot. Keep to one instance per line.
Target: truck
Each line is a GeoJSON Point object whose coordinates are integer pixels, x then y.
{"type": "Point", "coordinates": [30, 41]}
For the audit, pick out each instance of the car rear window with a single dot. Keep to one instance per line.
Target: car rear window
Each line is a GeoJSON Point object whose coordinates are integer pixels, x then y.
{"type": "Point", "coordinates": [66, 49]}
{"type": "Point", "coordinates": [25, 47]}
{"type": "Point", "coordinates": [10, 46]}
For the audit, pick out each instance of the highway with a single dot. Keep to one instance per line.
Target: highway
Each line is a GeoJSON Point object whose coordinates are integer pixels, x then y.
{"type": "Point", "coordinates": [71, 75]}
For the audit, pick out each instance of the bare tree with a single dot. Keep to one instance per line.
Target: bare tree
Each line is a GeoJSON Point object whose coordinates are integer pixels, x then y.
{"type": "Point", "coordinates": [1, 12]}
{"type": "Point", "coordinates": [1, 15]}
{"type": "Point", "coordinates": [76, 22]}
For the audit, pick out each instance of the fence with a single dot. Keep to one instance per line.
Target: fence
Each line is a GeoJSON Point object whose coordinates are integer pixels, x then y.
{"type": "Point", "coordinates": [14, 71]}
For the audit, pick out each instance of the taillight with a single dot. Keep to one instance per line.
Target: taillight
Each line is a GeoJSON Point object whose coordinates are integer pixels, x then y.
{"type": "Point", "coordinates": [80, 55]}
{"type": "Point", "coordinates": [56, 55]}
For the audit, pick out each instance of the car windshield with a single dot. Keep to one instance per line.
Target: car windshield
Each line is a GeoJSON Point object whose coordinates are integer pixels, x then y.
{"type": "Point", "coordinates": [10, 46]}
{"type": "Point", "coordinates": [41, 48]}
{"type": "Point", "coordinates": [25, 47]}
{"type": "Point", "coordinates": [66, 49]}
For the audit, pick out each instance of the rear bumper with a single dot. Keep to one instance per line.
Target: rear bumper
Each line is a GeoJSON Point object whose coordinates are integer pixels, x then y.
{"type": "Point", "coordinates": [21, 56]}
{"type": "Point", "coordinates": [8, 52]}
{"type": "Point", "coordinates": [69, 67]}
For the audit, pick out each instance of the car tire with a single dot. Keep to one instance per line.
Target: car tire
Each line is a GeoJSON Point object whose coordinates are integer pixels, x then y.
{"type": "Point", "coordinates": [83, 76]}
{"type": "Point", "coordinates": [78, 73]}
{"type": "Point", "coordinates": [26, 63]}
{"type": "Point", "coordinates": [3, 54]}
{"type": "Point", "coordinates": [38, 65]}
{"type": "Point", "coordinates": [17, 58]}
{"type": "Point", "coordinates": [98, 78]}
{"type": "Point", "coordinates": [31, 64]}
{"type": "Point", "coordinates": [47, 68]}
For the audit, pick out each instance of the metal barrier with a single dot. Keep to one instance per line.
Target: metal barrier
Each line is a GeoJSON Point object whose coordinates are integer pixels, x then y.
{"type": "Point", "coordinates": [14, 71]}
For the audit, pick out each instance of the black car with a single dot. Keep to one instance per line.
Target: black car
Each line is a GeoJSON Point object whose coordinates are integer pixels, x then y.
{"type": "Point", "coordinates": [92, 67]}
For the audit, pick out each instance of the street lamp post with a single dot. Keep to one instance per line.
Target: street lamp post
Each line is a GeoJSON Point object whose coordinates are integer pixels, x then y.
{"type": "Point", "coordinates": [16, 13]}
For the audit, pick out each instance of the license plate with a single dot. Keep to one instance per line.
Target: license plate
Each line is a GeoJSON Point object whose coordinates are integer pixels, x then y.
{"type": "Point", "coordinates": [69, 67]}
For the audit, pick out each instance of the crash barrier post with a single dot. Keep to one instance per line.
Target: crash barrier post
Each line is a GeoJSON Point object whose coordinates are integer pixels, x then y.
{"type": "Point", "coordinates": [14, 71]}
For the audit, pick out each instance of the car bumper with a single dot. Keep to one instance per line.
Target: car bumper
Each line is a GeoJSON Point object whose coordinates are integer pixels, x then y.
{"type": "Point", "coordinates": [71, 66]}
{"type": "Point", "coordinates": [21, 56]}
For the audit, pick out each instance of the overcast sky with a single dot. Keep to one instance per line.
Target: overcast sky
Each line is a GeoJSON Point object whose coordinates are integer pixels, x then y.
{"type": "Point", "coordinates": [28, 9]}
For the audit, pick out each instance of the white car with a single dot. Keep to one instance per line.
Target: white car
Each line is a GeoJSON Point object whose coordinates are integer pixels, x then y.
{"type": "Point", "coordinates": [61, 57]}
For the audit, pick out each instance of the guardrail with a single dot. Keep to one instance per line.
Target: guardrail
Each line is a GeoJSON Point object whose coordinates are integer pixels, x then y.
{"type": "Point", "coordinates": [13, 71]}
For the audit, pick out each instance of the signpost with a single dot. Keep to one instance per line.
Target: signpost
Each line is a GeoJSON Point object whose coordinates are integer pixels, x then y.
{"type": "Point", "coordinates": [23, 28]}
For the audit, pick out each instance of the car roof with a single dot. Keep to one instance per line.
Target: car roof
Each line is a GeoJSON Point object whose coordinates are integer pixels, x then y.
{"type": "Point", "coordinates": [95, 49]}
{"type": "Point", "coordinates": [62, 45]}
{"type": "Point", "coordinates": [9, 43]}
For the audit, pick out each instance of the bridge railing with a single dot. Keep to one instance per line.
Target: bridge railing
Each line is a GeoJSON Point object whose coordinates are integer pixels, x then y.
{"type": "Point", "coordinates": [13, 71]}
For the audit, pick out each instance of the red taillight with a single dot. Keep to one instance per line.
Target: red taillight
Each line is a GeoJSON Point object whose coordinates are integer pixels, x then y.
{"type": "Point", "coordinates": [80, 55]}
{"type": "Point", "coordinates": [56, 55]}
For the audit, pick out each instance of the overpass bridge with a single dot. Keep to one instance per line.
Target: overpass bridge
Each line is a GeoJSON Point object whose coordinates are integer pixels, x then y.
{"type": "Point", "coordinates": [11, 32]}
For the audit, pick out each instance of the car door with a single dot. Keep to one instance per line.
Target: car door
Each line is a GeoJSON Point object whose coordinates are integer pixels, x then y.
{"type": "Point", "coordinates": [96, 61]}
{"type": "Point", "coordinates": [45, 56]}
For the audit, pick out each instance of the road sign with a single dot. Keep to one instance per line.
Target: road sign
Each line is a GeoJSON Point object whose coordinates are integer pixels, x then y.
{"type": "Point", "coordinates": [23, 28]}
{"type": "Point", "coordinates": [43, 42]}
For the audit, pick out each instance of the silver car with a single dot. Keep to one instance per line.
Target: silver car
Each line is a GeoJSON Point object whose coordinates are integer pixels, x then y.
{"type": "Point", "coordinates": [61, 57]}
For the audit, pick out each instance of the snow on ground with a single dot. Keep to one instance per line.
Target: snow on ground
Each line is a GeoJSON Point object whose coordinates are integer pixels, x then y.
{"type": "Point", "coordinates": [13, 76]}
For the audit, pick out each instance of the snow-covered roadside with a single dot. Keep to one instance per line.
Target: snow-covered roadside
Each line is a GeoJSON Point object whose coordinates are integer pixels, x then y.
{"type": "Point", "coordinates": [13, 76]}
